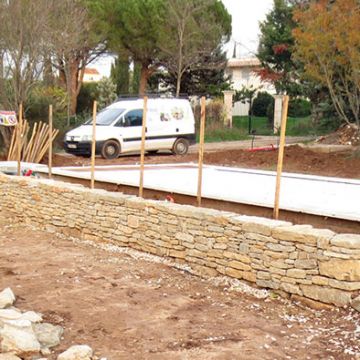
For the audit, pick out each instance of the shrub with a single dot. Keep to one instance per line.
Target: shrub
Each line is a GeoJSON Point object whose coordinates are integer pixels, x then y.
{"type": "Point", "coordinates": [86, 97]}
{"type": "Point", "coordinates": [299, 108]}
{"type": "Point", "coordinates": [261, 104]}
{"type": "Point", "coordinates": [214, 111]}
{"type": "Point", "coordinates": [105, 92]}
{"type": "Point", "coordinates": [40, 99]}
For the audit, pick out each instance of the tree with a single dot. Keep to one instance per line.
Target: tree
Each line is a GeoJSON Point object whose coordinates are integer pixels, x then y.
{"type": "Point", "coordinates": [246, 96]}
{"type": "Point", "coordinates": [133, 27]}
{"type": "Point", "coordinates": [193, 30]}
{"type": "Point", "coordinates": [21, 48]}
{"type": "Point", "coordinates": [105, 92]}
{"type": "Point", "coordinates": [328, 43]}
{"type": "Point", "coordinates": [73, 43]}
{"type": "Point", "coordinates": [276, 47]}
{"type": "Point", "coordinates": [207, 78]}
{"type": "Point", "coordinates": [21, 52]}
{"type": "Point", "coordinates": [120, 75]}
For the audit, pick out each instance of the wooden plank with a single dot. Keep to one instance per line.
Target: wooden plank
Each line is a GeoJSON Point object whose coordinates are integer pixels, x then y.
{"type": "Point", "coordinates": [201, 150]}
{"type": "Point", "coordinates": [12, 144]}
{"type": "Point", "coordinates": [30, 144]}
{"type": "Point", "coordinates": [280, 156]}
{"type": "Point", "coordinates": [19, 140]}
{"type": "Point", "coordinates": [50, 140]}
{"type": "Point", "coordinates": [93, 146]}
{"type": "Point", "coordinates": [142, 152]}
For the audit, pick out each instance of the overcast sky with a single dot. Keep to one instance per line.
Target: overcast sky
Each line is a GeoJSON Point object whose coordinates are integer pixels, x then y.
{"type": "Point", "coordinates": [246, 15]}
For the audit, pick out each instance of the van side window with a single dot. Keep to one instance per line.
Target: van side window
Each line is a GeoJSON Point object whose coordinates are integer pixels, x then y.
{"type": "Point", "coordinates": [134, 118]}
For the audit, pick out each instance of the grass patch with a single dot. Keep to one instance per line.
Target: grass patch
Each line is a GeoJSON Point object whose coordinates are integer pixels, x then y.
{"type": "Point", "coordinates": [295, 126]}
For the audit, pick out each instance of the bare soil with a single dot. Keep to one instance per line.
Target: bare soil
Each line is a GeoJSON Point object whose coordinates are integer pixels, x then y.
{"type": "Point", "coordinates": [297, 159]}
{"type": "Point", "coordinates": [126, 307]}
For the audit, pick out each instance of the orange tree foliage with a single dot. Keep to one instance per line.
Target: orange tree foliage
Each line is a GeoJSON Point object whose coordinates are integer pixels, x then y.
{"type": "Point", "coordinates": [327, 40]}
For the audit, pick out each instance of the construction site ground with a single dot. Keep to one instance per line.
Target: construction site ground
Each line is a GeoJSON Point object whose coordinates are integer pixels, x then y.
{"type": "Point", "coordinates": [127, 305]}
{"type": "Point", "coordinates": [326, 160]}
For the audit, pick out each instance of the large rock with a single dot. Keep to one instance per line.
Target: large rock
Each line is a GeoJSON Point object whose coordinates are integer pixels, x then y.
{"type": "Point", "coordinates": [326, 295]}
{"type": "Point", "coordinates": [7, 298]}
{"type": "Point", "coordinates": [48, 335]}
{"type": "Point", "coordinates": [349, 241]}
{"type": "Point", "coordinates": [348, 270]}
{"type": "Point", "coordinates": [9, 356]}
{"type": "Point", "coordinates": [19, 338]}
{"type": "Point", "coordinates": [77, 352]}
{"type": "Point", "coordinates": [355, 303]}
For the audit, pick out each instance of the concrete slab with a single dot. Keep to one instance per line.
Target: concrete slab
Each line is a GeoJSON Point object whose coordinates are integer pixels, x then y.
{"type": "Point", "coordinates": [318, 195]}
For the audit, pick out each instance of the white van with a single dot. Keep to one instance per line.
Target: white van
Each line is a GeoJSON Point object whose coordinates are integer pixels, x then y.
{"type": "Point", "coordinates": [170, 125]}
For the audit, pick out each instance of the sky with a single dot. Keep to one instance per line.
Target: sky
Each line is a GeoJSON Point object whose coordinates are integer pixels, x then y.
{"type": "Point", "coordinates": [246, 15]}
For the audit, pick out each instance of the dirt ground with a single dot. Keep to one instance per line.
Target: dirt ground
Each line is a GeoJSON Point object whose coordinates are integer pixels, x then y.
{"type": "Point", "coordinates": [130, 307]}
{"type": "Point", "coordinates": [297, 159]}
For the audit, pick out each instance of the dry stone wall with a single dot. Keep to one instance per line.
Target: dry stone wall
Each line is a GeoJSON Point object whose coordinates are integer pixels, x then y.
{"type": "Point", "coordinates": [297, 259]}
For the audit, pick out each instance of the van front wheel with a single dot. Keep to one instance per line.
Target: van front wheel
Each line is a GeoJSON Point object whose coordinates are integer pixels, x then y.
{"type": "Point", "coordinates": [180, 147]}
{"type": "Point", "coordinates": [110, 149]}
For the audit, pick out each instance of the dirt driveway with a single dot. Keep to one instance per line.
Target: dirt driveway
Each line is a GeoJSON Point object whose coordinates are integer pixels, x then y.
{"type": "Point", "coordinates": [127, 306]}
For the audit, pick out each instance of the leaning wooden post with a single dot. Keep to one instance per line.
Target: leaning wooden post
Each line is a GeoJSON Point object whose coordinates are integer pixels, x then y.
{"type": "Point", "coordinates": [19, 140]}
{"type": "Point", "coordinates": [50, 139]}
{"type": "Point", "coordinates": [201, 149]}
{"type": "Point", "coordinates": [93, 146]}
{"type": "Point", "coordinates": [142, 153]}
{"type": "Point", "coordinates": [281, 155]}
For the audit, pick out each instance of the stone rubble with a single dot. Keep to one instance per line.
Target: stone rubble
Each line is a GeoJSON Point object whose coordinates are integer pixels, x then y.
{"type": "Point", "coordinates": [23, 335]}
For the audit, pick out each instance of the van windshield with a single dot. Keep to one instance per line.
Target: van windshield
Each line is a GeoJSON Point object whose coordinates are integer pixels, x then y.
{"type": "Point", "coordinates": [106, 116]}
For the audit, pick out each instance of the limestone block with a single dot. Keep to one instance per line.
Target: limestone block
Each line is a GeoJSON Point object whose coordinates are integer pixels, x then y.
{"type": "Point", "coordinates": [291, 288]}
{"type": "Point", "coordinates": [77, 352]}
{"type": "Point", "coordinates": [236, 256]}
{"type": "Point", "coordinates": [302, 233]}
{"type": "Point", "coordinates": [348, 270]}
{"type": "Point", "coordinates": [306, 263]}
{"type": "Point", "coordinates": [133, 221]}
{"type": "Point", "coordinates": [344, 285]}
{"type": "Point", "coordinates": [350, 241]}
{"type": "Point", "coordinates": [7, 298]}
{"type": "Point", "coordinates": [48, 335]}
{"type": "Point", "coordinates": [320, 280]}
{"type": "Point", "coordinates": [239, 265]}
{"type": "Point", "coordinates": [259, 225]}
{"type": "Point", "coordinates": [263, 275]}
{"type": "Point", "coordinates": [184, 237]}
{"type": "Point", "coordinates": [296, 273]}
{"type": "Point", "coordinates": [249, 276]}
{"type": "Point", "coordinates": [326, 295]}
{"type": "Point", "coordinates": [280, 248]}
{"type": "Point", "coordinates": [268, 284]}
{"type": "Point", "coordinates": [9, 356]}
{"type": "Point", "coordinates": [355, 303]}
{"type": "Point", "coordinates": [19, 338]}
{"type": "Point", "coordinates": [233, 273]}
{"type": "Point", "coordinates": [177, 254]}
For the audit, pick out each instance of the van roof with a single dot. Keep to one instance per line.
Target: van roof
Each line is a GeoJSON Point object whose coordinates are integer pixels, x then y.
{"type": "Point", "coordinates": [134, 103]}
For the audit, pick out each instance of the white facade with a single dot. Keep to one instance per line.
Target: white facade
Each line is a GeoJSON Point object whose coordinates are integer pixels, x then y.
{"type": "Point", "coordinates": [242, 73]}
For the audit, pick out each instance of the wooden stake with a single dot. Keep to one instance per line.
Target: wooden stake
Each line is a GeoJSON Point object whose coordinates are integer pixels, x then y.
{"type": "Point", "coordinates": [201, 149]}
{"type": "Point", "coordinates": [13, 136]}
{"type": "Point", "coordinates": [93, 146]}
{"type": "Point", "coordinates": [142, 153]}
{"type": "Point", "coordinates": [281, 155]}
{"type": "Point", "coordinates": [50, 139]}
{"type": "Point", "coordinates": [19, 140]}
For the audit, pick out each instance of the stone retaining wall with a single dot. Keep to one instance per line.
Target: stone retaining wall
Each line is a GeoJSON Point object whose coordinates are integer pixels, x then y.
{"type": "Point", "coordinates": [297, 259]}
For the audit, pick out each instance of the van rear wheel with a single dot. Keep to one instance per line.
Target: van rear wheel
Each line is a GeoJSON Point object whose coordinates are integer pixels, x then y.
{"type": "Point", "coordinates": [110, 149]}
{"type": "Point", "coordinates": [181, 146]}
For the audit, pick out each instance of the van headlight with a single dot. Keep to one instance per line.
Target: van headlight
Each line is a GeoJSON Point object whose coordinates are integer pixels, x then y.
{"type": "Point", "coordinates": [86, 138]}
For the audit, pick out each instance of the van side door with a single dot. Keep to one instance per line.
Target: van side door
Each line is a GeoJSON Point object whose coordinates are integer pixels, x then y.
{"type": "Point", "coordinates": [129, 128]}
